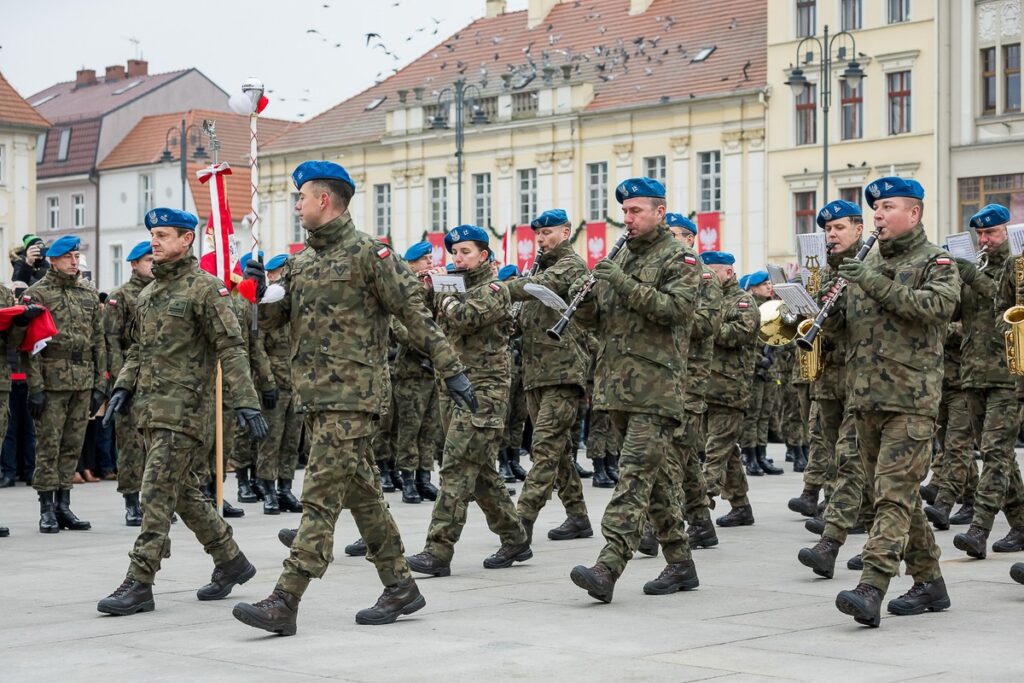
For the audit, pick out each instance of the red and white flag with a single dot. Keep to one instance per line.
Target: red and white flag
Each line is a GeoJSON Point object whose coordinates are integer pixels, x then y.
{"type": "Point", "coordinates": [222, 258]}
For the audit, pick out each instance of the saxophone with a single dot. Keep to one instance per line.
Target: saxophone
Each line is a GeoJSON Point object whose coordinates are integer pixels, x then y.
{"type": "Point", "coordinates": [810, 360]}
{"type": "Point", "coordinates": [1014, 317]}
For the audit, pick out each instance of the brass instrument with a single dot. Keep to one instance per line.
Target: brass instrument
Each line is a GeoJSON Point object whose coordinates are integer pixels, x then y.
{"type": "Point", "coordinates": [1014, 317]}
{"type": "Point", "coordinates": [778, 325]}
{"type": "Point", "coordinates": [809, 360]}
{"type": "Point", "coordinates": [981, 259]}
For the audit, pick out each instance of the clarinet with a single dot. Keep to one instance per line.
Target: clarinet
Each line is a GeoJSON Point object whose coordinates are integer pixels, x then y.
{"type": "Point", "coordinates": [806, 342]}
{"type": "Point", "coordinates": [517, 307]}
{"type": "Point", "coordinates": [559, 327]}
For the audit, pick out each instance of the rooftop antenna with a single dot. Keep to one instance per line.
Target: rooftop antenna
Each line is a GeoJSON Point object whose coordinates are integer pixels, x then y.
{"type": "Point", "coordinates": [135, 42]}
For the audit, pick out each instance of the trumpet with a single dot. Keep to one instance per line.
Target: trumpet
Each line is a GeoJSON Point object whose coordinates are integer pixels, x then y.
{"type": "Point", "coordinates": [559, 327]}
{"type": "Point", "coordinates": [981, 258]}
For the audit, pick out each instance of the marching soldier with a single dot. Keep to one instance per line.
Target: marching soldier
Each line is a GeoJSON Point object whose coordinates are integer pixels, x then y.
{"type": "Point", "coordinates": [899, 301]}
{"type": "Point", "coordinates": [763, 390]}
{"type": "Point", "coordinates": [515, 426]}
{"type": "Point", "coordinates": [182, 324]}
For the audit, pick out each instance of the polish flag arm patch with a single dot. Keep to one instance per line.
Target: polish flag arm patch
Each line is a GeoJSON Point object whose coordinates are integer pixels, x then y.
{"type": "Point", "coordinates": [112, 302]}
{"type": "Point", "coordinates": [689, 260]}
{"type": "Point", "coordinates": [744, 305]}
{"type": "Point", "coordinates": [223, 291]}
{"type": "Point", "coordinates": [943, 261]}
{"type": "Point", "coordinates": [706, 276]}
{"type": "Point", "coordinates": [495, 287]}
{"type": "Point", "coordinates": [383, 253]}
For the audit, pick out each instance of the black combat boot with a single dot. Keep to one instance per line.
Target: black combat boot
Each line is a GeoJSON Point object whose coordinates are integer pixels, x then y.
{"type": "Point", "coordinates": [938, 515]}
{"type": "Point", "coordinates": [800, 461]}
{"type": "Point", "coordinates": [679, 576]}
{"type": "Point", "coordinates": [816, 525]}
{"type": "Point", "coordinates": [507, 554]}
{"type": "Point", "coordinates": [574, 526]}
{"type": "Point", "coordinates": [245, 492]}
{"type": "Point", "coordinates": [702, 534]}
{"type": "Point", "coordinates": [396, 474]}
{"type": "Point", "coordinates": [286, 500]}
{"type": "Point", "coordinates": [863, 603]}
{"type": "Point", "coordinates": [974, 542]}
{"type": "Point", "coordinates": [230, 511]}
{"type": "Point", "coordinates": [503, 466]}
{"type": "Point", "coordinates": [822, 557]}
{"type": "Point", "coordinates": [287, 537]}
{"type": "Point", "coordinates": [258, 489]}
{"type": "Point", "coordinates": [402, 598]}
{"type": "Point", "coordinates": [387, 485]}
{"type": "Point", "coordinates": [611, 467]}
{"type": "Point", "coordinates": [424, 486]}
{"type": "Point", "coordinates": [766, 465]}
{"type": "Point", "coordinates": [1013, 542]}
{"type": "Point", "coordinates": [235, 571]}
{"type": "Point", "coordinates": [807, 502]}
{"type": "Point", "coordinates": [855, 563]}
{"type": "Point", "coordinates": [601, 479]}
{"type": "Point", "coordinates": [580, 469]}
{"type": "Point", "coordinates": [275, 613]}
{"type": "Point", "coordinates": [270, 504]}
{"type": "Point", "coordinates": [791, 452]}
{"type": "Point", "coordinates": [47, 513]}
{"type": "Point", "coordinates": [425, 563]}
{"type": "Point", "coordinates": [738, 516]}
{"type": "Point", "coordinates": [65, 517]}
{"type": "Point", "coordinates": [409, 492]}
{"type": "Point", "coordinates": [749, 461]}
{"type": "Point", "coordinates": [1017, 572]}
{"type": "Point", "coordinates": [513, 464]}
{"type": "Point", "coordinates": [929, 492]}
{"type": "Point", "coordinates": [598, 581]}
{"type": "Point", "coordinates": [130, 597]}
{"type": "Point", "coordinates": [930, 596]}
{"type": "Point", "coordinates": [965, 515]}
{"type": "Point", "coordinates": [132, 510]}
{"type": "Point", "coordinates": [648, 542]}
{"type": "Point", "coordinates": [356, 549]}
{"type": "Point", "coordinates": [4, 532]}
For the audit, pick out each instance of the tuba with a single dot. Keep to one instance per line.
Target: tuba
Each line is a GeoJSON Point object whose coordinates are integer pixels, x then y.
{"type": "Point", "coordinates": [1014, 317]}
{"type": "Point", "coordinates": [810, 359]}
{"type": "Point", "coordinates": [778, 325]}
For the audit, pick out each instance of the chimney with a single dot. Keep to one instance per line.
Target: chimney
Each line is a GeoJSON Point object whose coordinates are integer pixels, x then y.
{"type": "Point", "coordinates": [137, 67]}
{"type": "Point", "coordinates": [638, 6]}
{"type": "Point", "coordinates": [84, 77]}
{"type": "Point", "coordinates": [537, 11]}
{"type": "Point", "coordinates": [114, 73]}
{"type": "Point", "coordinates": [494, 8]}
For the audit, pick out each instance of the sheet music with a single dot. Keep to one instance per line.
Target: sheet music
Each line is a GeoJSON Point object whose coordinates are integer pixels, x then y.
{"type": "Point", "coordinates": [545, 296]}
{"type": "Point", "coordinates": [796, 299]}
{"type": "Point", "coordinates": [813, 251]}
{"type": "Point", "coordinates": [1016, 233]}
{"type": "Point", "coordinates": [776, 274]}
{"type": "Point", "coordinates": [448, 283]}
{"type": "Point", "coordinates": [961, 246]}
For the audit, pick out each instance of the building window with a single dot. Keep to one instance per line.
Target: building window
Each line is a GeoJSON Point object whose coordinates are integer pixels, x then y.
{"type": "Point", "coordinates": [482, 199]}
{"type": "Point", "coordinates": [382, 208]}
{"type": "Point", "coordinates": [1007, 190]}
{"type": "Point", "coordinates": [297, 233]}
{"type": "Point", "coordinates": [988, 80]}
{"type": "Point", "coordinates": [710, 181]}
{"type": "Point", "coordinates": [850, 12]}
{"type": "Point", "coordinates": [78, 211]}
{"type": "Point", "coordinates": [806, 119]}
{"type": "Point", "coordinates": [899, 11]}
{"type": "Point", "coordinates": [527, 195]}
{"type": "Point", "coordinates": [65, 143]}
{"type": "Point", "coordinates": [852, 103]}
{"type": "Point", "coordinates": [597, 191]}
{"type": "Point", "coordinates": [654, 167]}
{"type": "Point", "coordinates": [145, 195]}
{"type": "Point", "coordinates": [805, 213]}
{"type": "Point", "coordinates": [1011, 77]}
{"type": "Point", "coordinates": [3, 164]}
{"type": "Point", "coordinates": [40, 147]}
{"type": "Point", "coordinates": [805, 19]}
{"type": "Point", "coordinates": [899, 102]}
{"type": "Point", "coordinates": [851, 194]}
{"type": "Point", "coordinates": [53, 213]}
{"type": "Point", "coordinates": [116, 264]}
{"type": "Point", "coordinates": [439, 204]}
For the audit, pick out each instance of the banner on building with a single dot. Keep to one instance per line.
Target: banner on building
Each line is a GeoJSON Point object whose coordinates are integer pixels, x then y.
{"type": "Point", "coordinates": [436, 240]}
{"type": "Point", "coordinates": [709, 233]}
{"type": "Point", "coordinates": [525, 247]}
{"type": "Point", "coordinates": [597, 242]}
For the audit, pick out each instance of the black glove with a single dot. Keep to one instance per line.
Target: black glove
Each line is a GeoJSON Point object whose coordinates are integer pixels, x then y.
{"type": "Point", "coordinates": [96, 400]}
{"type": "Point", "coordinates": [968, 271]}
{"type": "Point", "coordinates": [253, 422]}
{"type": "Point", "coordinates": [36, 404]}
{"type": "Point", "coordinates": [461, 391]}
{"type": "Point", "coordinates": [31, 312]}
{"type": "Point", "coordinates": [118, 403]}
{"type": "Point", "coordinates": [254, 270]}
{"type": "Point", "coordinates": [269, 398]}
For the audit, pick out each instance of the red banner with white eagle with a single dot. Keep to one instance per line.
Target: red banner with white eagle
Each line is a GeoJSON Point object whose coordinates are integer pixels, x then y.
{"type": "Point", "coordinates": [220, 260]}
{"type": "Point", "coordinates": [709, 233]}
{"type": "Point", "coordinates": [597, 242]}
{"type": "Point", "coordinates": [437, 252]}
{"type": "Point", "coordinates": [525, 248]}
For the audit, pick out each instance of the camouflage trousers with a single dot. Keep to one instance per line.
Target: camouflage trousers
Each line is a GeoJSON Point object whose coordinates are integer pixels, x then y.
{"type": "Point", "coordinates": [722, 468]}
{"type": "Point", "coordinates": [277, 456]}
{"type": "Point", "coordinates": [553, 414]}
{"type": "Point", "coordinates": [131, 454]}
{"type": "Point", "coordinates": [759, 409]}
{"type": "Point", "coordinates": [602, 439]}
{"type": "Point", "coordinates": [383, 440]}
{"type": "Point", "coordinates": [851, 499]}
{"type": "Point", "coordinates": [170, 483]}
{"type": "Point", "coordinates": [468, 474]}
{"type": "Point", "coordinates": [954, 473]}
{"type": "Point", "coordinates": [895, 448]}
{"type": "Point", "coordinates": [60, 433]}
{"type": "Point", "coordinates": [517, 412]}
{"type": "Point", "coordinates": [239, 449]}
{"type": "Point", "coordinates": [418, 418]}
{"type": "Point", "coordinates": [649, 486]}
{"type": "Point", "coordinates": [686, 441]}
{"type": "Point", "coordinates": [826, 416]}
{"type": "Point", "coordinates": [793, 430]}
{"type": "Point", "coordinates": [341, 475]}
{"type": "Point", "coordinates": [993, 413]}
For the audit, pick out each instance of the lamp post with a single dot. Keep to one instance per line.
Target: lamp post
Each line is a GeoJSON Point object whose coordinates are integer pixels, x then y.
{"type": "Point", "coordinates": [198, 151]}
{"type": "Point", "coordinates": [853, 74]}
{"type": "Point", "coordinates": [462, 94]}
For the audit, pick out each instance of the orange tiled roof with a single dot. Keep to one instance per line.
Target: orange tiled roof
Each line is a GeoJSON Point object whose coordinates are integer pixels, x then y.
{"type": "Point", "coordinates": [15, 111]}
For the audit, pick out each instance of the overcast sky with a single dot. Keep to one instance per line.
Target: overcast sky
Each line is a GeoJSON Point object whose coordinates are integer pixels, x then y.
{"type": "Point", "coordinates": [43, 42]}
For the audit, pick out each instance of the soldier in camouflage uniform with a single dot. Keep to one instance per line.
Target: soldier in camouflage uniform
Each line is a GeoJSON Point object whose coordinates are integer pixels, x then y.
{"type": "Point", "coordinates": [991, 397]}
{"type": "Point", "coordinates": [641, 308]}
{"type": "Point", "coordinates": [898, 304]}
{"type": "Point", "coordinates": [181, 326]}
{"type": "Point", "coordinates": [67, 382]}
{"type": "Point", "coordinates": [793, 430]}
{"type": "Point", "coordinates": [728, 392]}
{"type": "Point", "coordinates": [515, 427]}
{"type": "Point", "coordinates": [764, 390]}
{"type": "Point", "coordinates": [340, 293]}
{"type": "Point", "coordinates": [120, 309]}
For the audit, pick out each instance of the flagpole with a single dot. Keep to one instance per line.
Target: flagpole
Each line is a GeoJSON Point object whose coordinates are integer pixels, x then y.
{"type": "Point", "coordinates": [209, 127]}
{"type": "Point", "coordinates": [254, 89]}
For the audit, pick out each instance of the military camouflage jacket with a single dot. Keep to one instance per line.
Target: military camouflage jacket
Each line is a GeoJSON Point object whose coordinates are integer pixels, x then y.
{"type": "Point", "coordinates": [9, 339]}
{"type": "Point", "coordinates": [547, 362]}
{"type": "Point", "coordinates": [832, 383]}
{"type": "Point", "coordinates": [897, 327]}
{"type": "Point", "coordinates": [76, 358]}
{"type": "Point", "coordinates": [983, 354]}
{"type": "Point", "coordinates": [119, 309]}
{"type": "Point", "coordinates": [411, 363]}
{"type": "Point", "coordinates": [183, 324]}
{"type": "Point", "coordinates": [951, 358]}
{"type": "Point", "coordinates": [263, 374]}
{"type": "Point", "coordinates": [340, 293]}
{"type": "Point", "coordinates": [643, 327]}
{"type": "Point", "coordinates": [732, 365]}
{"type": "Point", "coordinates": [706, 321]}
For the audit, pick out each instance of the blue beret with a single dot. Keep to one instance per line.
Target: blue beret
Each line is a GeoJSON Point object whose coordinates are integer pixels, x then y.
{"type": "Point", "coordinates": [505, 272]}
{"type": "Point", "coordinates": [139, 250]}
{"type": "Point", "coordinates": [320, 170]}
{"type": "Point", "coordinates": [550, 219]}
{"type": "Point", "coordinates": [722, 258]}
{"type": "Point", "coordinates": [639, 187]}
{"type": "Point", "coordinates": [450, 267]}
{"type": "Point", "coordinates": [63, 245]}
{"type": "Point", "coordinates": [418, 251]}
{"type": "Point", "coordinates": [893, 186]}
{"type": "Point", "coordinates": [276, 262]}
{"type": "Point", "coordinates": [756, 278]}
{"type": "Point", "coordinates": [244, 259]}
{"type": "Point", "coordinates": [465, 233]}
{"type": "Point", "coordinates": [678, 220]}
{"type": "Point", "coordinates": [164, 217]}
{"type": "Point", "coordinates": [990, 216]}
{"type": "Point", "coordinates": [840, 208]}
{"type": "Point", "coordinates": [743, 282]}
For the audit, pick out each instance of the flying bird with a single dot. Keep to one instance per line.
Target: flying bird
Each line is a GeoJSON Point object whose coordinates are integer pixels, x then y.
{"type": "Point", "coordinates": [370, 36]}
